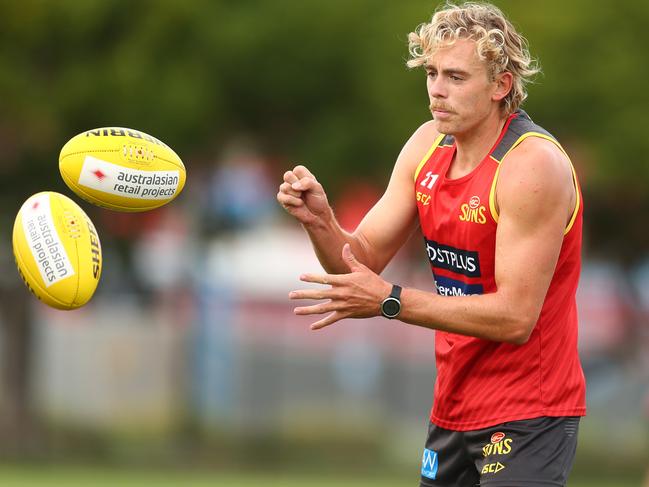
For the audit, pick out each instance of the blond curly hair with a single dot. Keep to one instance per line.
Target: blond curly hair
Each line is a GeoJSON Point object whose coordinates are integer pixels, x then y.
{"type": "Point", "coordinates": [497, 43]}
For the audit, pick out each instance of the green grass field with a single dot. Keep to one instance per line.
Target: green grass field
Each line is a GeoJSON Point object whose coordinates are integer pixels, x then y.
{"type": "Point", "coordinates": [34, 476]}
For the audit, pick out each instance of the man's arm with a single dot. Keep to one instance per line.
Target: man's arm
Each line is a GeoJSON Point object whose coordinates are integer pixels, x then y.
{"type": "Point", "coordinates": [382, 231]}
{"type": "Point", "coordinates": [536, 196]}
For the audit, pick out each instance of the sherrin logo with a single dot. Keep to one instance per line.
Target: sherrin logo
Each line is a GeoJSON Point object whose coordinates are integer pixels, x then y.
{"type": "Point", "coordinates": [123, 132]}
{"type": "Point", "coordinates": [95, 249]}
{"type": "Point", "coordinates": [473, 211]}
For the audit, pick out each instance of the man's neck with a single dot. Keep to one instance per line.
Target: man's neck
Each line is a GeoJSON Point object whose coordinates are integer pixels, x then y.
{"type": "Point", "coordinates": [473, 145]}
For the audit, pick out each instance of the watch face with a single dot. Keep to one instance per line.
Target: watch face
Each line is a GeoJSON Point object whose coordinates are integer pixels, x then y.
{"type": "Point", "coordinates": [391, 307]}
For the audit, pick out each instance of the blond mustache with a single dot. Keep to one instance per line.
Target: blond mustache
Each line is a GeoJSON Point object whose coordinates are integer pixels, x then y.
{"type": "Point", "coordinates": [444, 108]}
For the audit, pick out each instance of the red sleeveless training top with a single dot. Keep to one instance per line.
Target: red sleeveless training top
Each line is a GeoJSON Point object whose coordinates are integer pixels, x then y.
{"type": "Point", "coordinates": [482, 383]}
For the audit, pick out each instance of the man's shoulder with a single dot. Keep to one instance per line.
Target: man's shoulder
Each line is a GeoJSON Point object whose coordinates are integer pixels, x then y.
{"type": "Point", "coordinates": [537, 151]}
{"type": "Point", "coordinates": [425, 133]}
{"type": "Point", "coordinates": [535, 167]}
{"type": "Point", "coordinates": [417, 146]}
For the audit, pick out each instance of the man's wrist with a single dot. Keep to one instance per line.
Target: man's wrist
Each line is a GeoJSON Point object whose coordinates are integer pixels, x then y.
{"type": "Point", "coordinates": [321, 224]}
{"type": "Point", "coordinates": [391, 306]}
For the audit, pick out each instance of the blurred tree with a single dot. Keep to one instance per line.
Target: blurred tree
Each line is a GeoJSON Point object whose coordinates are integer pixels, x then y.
{"type": "Point", "coordinates": [322, 82]}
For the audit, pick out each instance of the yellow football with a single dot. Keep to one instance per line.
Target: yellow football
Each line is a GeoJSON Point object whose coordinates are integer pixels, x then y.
{"type": "Point", "coordinates": [121, 169]}
{"type": "Point", "coordinates": [57, 250]}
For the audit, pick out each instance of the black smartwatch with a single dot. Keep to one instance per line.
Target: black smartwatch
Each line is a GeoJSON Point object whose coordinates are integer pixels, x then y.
{"type": "Point", "coordinates": [391, 306]}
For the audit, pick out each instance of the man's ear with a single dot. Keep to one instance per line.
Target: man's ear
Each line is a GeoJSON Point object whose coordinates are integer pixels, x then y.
{"type": "Point", "coordinates": [504, 82]}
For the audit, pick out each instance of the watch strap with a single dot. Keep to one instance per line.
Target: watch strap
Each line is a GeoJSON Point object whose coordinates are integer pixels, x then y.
{"type": "Point", "coordinates": [396, 291]}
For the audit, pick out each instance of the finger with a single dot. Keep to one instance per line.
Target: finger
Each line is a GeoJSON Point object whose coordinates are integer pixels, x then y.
{"type": "Point", "coordinates": [287, 200]}
{"type": "Point", "coordinates": [286, 188]}
{"type": "Point", "coordinates": [350, 259]}
{"type": "Point", "coordinates": [310, 294]}
{"type": "Point", "coordinates": [290, 177]}
{"type": "Point", "coordinates": [327, 320]}
{"type": "Point", "coordinates": [321, 308]}
{"type": "Point", "coordinates": [307, 183]}
{"type": "Point", "coordinates": [302, 172]}
{"type": "Point", "coordinates": [315, 309]}
{"type": "Point", "coordinates": [330, 279]}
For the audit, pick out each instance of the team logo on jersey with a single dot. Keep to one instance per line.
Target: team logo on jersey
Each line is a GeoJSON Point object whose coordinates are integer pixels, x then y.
{"type": "Point", "coordinates": [498, 445]}
{"type": "Point", "coordinates": [496, 437]}
{"type": "Point", "coordinates": [465, 262]}
{"type": "Point", "coordinates": [473, 211]}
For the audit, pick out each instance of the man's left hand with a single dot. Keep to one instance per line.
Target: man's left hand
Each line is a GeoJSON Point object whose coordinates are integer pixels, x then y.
{"type": "Point", "coordinates": [355, 295]}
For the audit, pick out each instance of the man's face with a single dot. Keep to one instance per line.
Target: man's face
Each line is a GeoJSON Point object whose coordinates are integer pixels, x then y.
{"type": "Point", "coordinates": [460, 90]}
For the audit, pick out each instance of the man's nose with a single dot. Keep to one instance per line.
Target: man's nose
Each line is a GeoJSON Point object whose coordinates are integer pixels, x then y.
{"type": "Point", "coordinates": [436, 87]}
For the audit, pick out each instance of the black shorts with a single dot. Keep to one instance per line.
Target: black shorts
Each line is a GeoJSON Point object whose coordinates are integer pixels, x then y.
{"type": "Point", "coordinates": [531, 452]}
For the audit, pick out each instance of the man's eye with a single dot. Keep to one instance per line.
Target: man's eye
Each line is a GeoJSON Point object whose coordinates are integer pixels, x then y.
{"type": "Point", "coordinates": [456, 78]}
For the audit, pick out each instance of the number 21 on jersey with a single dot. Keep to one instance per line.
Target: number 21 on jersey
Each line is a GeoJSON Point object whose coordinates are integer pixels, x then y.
{"type": "Point", "coordinates": [429, 180]}
{"type": "Point", "coordinates": [428, 183]}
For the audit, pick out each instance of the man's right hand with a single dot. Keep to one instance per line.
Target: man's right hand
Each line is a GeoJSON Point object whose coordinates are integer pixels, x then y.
{"type": "Point", "coordinates": [303, 197]}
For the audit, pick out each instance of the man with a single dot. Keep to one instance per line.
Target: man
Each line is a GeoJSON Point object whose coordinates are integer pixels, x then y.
{"type": "Point", "coordinates": [500, 210]}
